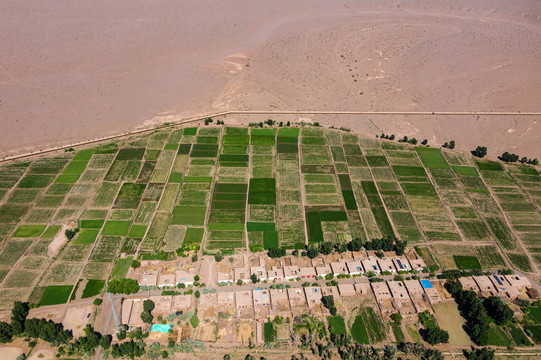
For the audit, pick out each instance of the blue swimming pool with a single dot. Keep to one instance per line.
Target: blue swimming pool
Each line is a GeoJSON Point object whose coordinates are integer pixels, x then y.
{"type": "Point", "coordinates": [426, 284]}
{"type": "Point", "coordinates": [161, 328]}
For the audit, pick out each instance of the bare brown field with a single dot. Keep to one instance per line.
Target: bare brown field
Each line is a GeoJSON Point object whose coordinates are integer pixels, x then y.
{"type": "Point", "coordinates": [71, 71]}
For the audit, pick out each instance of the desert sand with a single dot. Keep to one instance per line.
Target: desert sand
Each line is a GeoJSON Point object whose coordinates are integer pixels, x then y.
{"type": "Point", "coordinates": [73, 71]}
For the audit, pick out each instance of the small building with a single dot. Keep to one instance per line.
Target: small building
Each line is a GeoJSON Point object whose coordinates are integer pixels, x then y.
{"type": "Point", "coordinates": [401, 263]}
{"type": "Point", "coordinates": [279, 299]}
{"type": "Point", "coordinates": [417, 295]}
{"type": "Point", "coordinates": [226, 300]}
{"type": "Point", "coordinates": [208, 300]}
{"type": "Point", "coordinates": [149, 278]}
{"type": "Point", "coordinates": [323, 270]}
{"type": "Point", "coordinates": [386, 264]}
{"type": "Point", "coordinates": [261, 298]}
{"type": "Point", "coordinates": [354, 267]}
{"type": "Point", "coordinates": [166, 280]}
{"type": "Point", "coordinates": [297, 299]}
{"type": "Point", "coordinates": [432, 295]}
{"type": "Point", "coordinates": [243, 274]}
{"type": "Point", "coordinates": [313, 295]}
{"type": "Point", "coordinates": [307, 273]}
{"type": "Point", "coordinates": [243, 299]}
{"type": "Point", "coordinates": [225, 278]}
{"type": "Point", "coordinates": [126, 311]}
{"type": "Point", "coordinates": [401, 298]}
{"type": "Point", "coordinates": [291, 272]}
{"type": "Point", "coordinates": [259, 271]}
{"type": "Point", "coordinates": [275, 273]}
{"type": "Point", "coordinates": [339, 267]}
{"type": "Point", "coordinates": [184, 277]}
{"type": "Point", "coordinates": [469, 284]}
{"type": "Point", "coordinates": [370, 264]}
{"type": "Point", "coordinates": [162, 304]}
{"type": "Point", "coordinates": [346, 289]}
{"type": "Point", "coordinates": [485, 285]}
{"type": "Point", "coordinates": [135, 317]}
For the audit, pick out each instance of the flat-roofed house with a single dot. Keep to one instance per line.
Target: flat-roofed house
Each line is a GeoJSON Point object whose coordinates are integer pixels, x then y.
{"type": "Point", "coordinates": [313, 295]}
{"type": "Point", "coordinates": [307, 273]}
{"type": "Point", "coordinates": [135, 317]}
{"type": "Point", "coordinates": [346, 289]}
{"type": "Point", "coordinates": [226, 300]}
{"type": "Point", "coordinates": [363, 288]}
{"type": "Point", "coordinates": [354, 267]}
{"type": "Point", "coordinates": [323, 270]}
{"type": "Point", "coordinates": [261, 297]}
{"type": "Point", "coordinates": [401, 263]}
{"type": "Point", "coordinates": [485, 285]}
{"type": "Point", "coordinates": [182, 303]}
{"type": "Point", "coordinates": [208, 300]}
{"type": "Point", "coordinates": [184, 277]}
{"type": "Point", "coordinates": [243, 299]}
{"type": "Point", "coordinates": [259, 271]}
{"type": "Point", "coordinates": [417, 264]}
{"type": "Point", "coordinates": [148, 278]}
{"type": "Point", "coordinates": [162, 304]}
{"type": "Point", "coordinates": [504, 287]}
{"type": "Point", "coordinates": [381, 291]}
{"type": "Point", "coordinates": [417, 295]}
{"type": "Point", "coordinates": [166, 280]}
{"type": "Point", "coordinates": [279, 299]}
{"type": "Point", "coordinates": [243, 274]}
{"type": "Point", "coordinates": [370, 263]}
{"type": "Point", "coordinates": [518, 281]}
{"type": "Point", "coordinates": [469, 284]}
{"type": "Point", "coordinates": [297, 299]}
{"type": "Point", "coordinates": [401, 298]}
{"type": "Point", "coordinates": [225, 278]}
{"type": "Point", "coordinates": [386, 264]}
{"type": "Point", "coordinates": [339, 267]}
{"type": "Point", "coordinates": [432, 294]}
{"type": "Point", "coordinates": [330, 290]}
{"type": "Point", "coordinates": [275, 273]}
{"type": "Point", "coordinates": [291, 272]}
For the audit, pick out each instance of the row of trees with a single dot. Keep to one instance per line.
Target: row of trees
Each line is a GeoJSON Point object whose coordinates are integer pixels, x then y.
{"type": "Point", "coordinates": [508, 157]}
{"type": "Point", "coordinates": [449, 145]}
{"type": "Point", "coordinates": [146, 315]}
{"type": "Point", "coordinates": [328, 302]}
{"type": "Point", "coordinates": [386, 244]}
{"type": "Point", "coordinates": [123, 286]}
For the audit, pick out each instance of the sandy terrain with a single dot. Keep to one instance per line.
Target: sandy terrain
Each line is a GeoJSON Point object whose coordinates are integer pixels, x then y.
{"type": "Point", "coordinates": [10, 352]}
{"type": "Point", "coordinates": [76, 318]}
{"type": "Point", "coordinates": [75, 71]}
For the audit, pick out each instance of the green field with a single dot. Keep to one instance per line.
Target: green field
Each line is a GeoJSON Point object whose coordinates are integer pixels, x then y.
{"type": "Point", "coordinates": [176, 192]}
{"type": "Point", "coordinates": [337, 325]}
{"type": "Point", "coordinates": [93, 288]}
{"type": "Point", "coordinates": [55, 295]}
{"type": "Point", "coordinates": [358, 331]}
{"type": "Point", "coordinates": [268, 332]}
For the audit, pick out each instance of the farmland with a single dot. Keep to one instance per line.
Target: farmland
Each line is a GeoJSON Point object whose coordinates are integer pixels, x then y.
{"type": "Point", "coordinates": [237, 189]}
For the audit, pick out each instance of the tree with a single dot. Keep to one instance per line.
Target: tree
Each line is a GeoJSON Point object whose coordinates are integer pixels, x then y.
{"type": "Point", "coordinates": [18, 316]}
{"type": "Point", "coordinates": [196, 278]}
{"type": "Point", "coordinates": [397, 318]}
{"type": "Point", "coordinates": [424, 142]}
{"type": "Point", "coordinates": [197, 294]}
{"type": "Point", "coordinates": [326, 248]}
{"type": "Point", "coordinates": [219, 256]}
{"type": "Point", "coordinates": [148, 305]}
{"type": "Point", "coordinates": [6, 332]}
{"type": "Point", "coordinates": [436, 335]}
{"type": "Point", "coordinates": [194, 258]}
{"type": "Point", "coordinates": [97, 301]}
{"type": "Point", "coordinates": [70, 233]}
{"type": "Point", "coordinates": [452, 144]}
{"type": "Point", "coordinates": [507, 157]}
{"type": "Point", "coordinates": [479, 354]}
{"type": "Point", "coordinates": [400, 247]}
{"type": "Point", "coordinates": [498, 309]}
{"type": "Point", "coordinates": [105, 341]}
{"type": "Point", "coordinates": [123, 286]}
{"type": "Point", "coordinates": [239, 282]}
{"type": "Point", "coordinates": [392, 137]}
{"type": "Point", "coordinates": [254, 278]}
{"type": "Point", "coordinates": [312, 253]}
{"type": "Point", "coordinates": [147, 317]}
{"type": "Point", "coordinates": [248, 357]}
{"type": "Point", "coordinates": [480, 151]}
{"type": "Point", "coordinates": [328, 302]}
{"type": "Point", "coordinates": [227, 357]}
{"type": "Point", "coordinates": [355, 245]}
{"type": "Point", "coordinates": [276, 252]}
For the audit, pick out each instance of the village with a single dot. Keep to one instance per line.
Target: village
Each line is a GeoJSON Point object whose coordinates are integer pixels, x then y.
{"type": "Point", "coordinates": [233, 308]}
